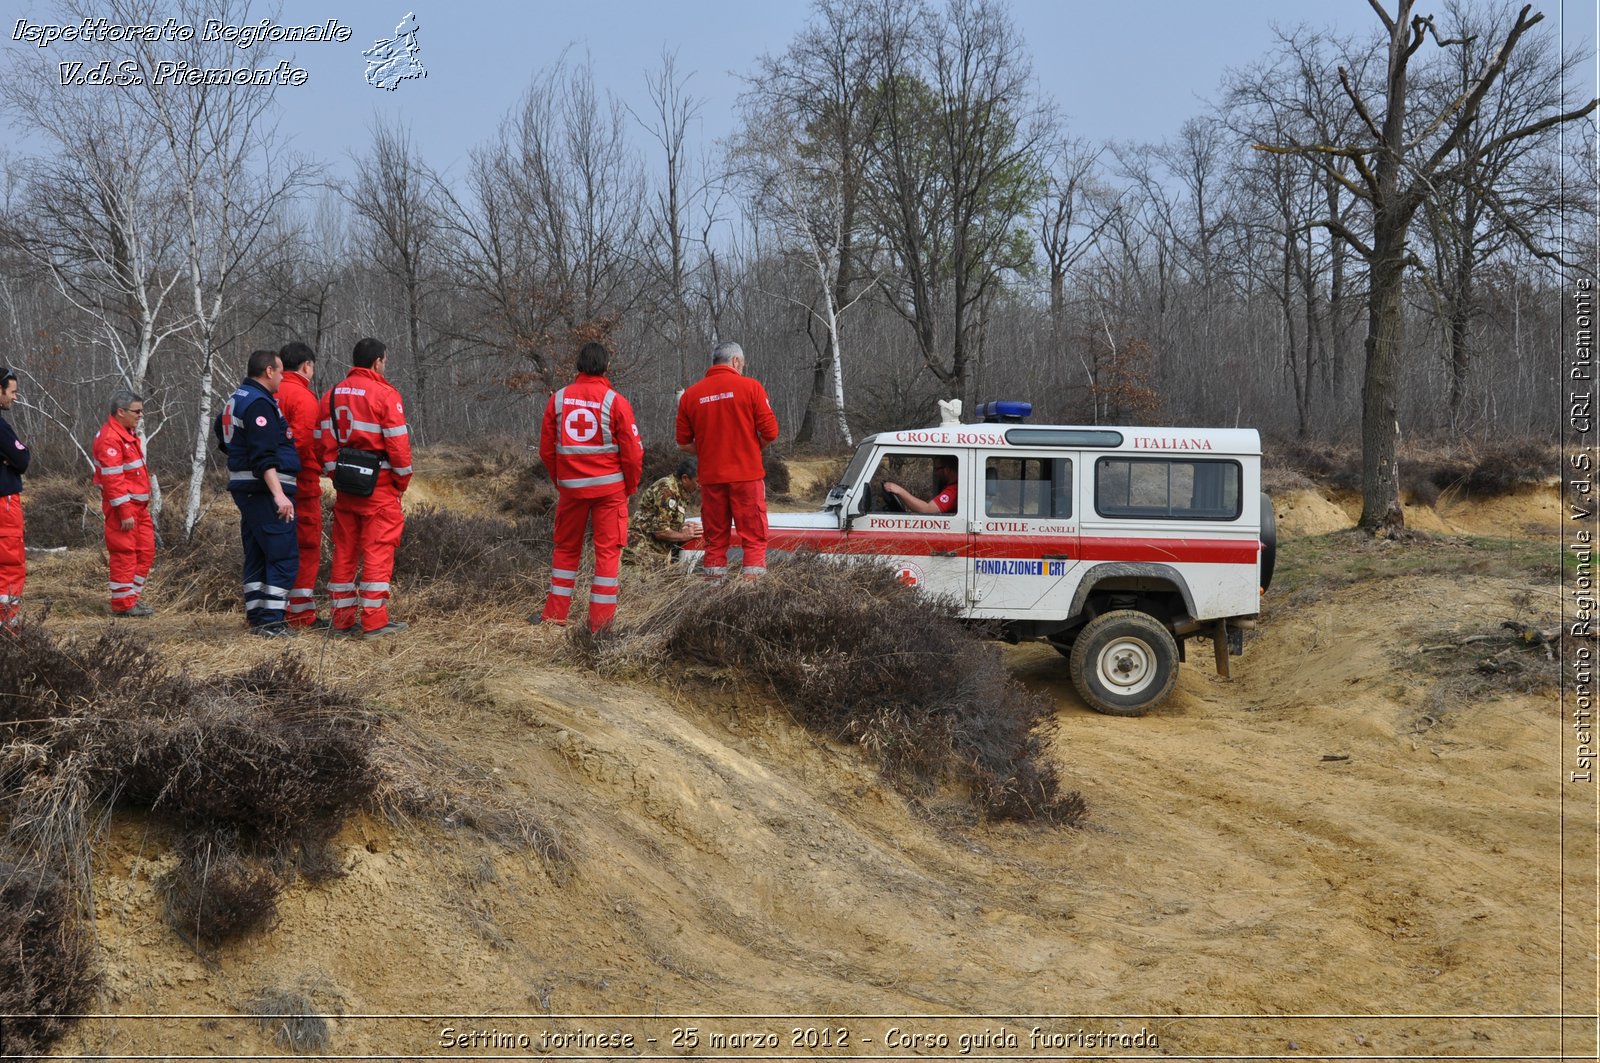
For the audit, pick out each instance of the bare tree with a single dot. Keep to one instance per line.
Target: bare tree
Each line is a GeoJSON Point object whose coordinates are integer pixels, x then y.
{"type": "Point", "coordinates": [672, 208]}
{"type": "Point", "coordinates": [1400, 162]}
{"type": "Point", "coordinates": [956, 164]}
{"type": "Point", "coordinates": [547, 239]}
{"type": "Point", "coordinates": [98, 216]}
{"type": "Point", "coordinates": [1508, 189]}
{"type": "Point", "coordinates": [395, 196]}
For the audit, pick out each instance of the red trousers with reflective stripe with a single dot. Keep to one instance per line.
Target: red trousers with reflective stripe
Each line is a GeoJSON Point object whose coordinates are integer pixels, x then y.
{"type": "Point", "coordinates": [132, 553]}
{"type": "Point", "coordinates": [308, 534]}
{"type": "Point", "coordinates": [13, 560]}
{"type": "Point", "coordinates": [745, 504]}
{"type": "Point", "coordinates": [365, 534]}
{"type": "Point", "coordinates": [609, 515]}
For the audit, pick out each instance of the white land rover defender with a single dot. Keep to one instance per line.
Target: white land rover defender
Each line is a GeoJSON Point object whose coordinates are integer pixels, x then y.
{"type": "Point", "coordinates": [1114, 544]}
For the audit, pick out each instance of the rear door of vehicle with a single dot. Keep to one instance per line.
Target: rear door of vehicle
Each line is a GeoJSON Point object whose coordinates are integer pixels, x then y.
{"type": "Point", "coordinates": [1024, 529]}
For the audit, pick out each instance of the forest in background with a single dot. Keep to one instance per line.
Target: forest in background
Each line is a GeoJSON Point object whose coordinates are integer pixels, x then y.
{"type": "Point", "coordinates": [899, 217]}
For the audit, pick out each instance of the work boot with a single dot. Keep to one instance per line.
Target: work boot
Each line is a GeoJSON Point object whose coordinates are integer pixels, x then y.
{"type": "Point", "coordinates": [321, 623]}
{"type": "Point", "coordinates": [140, 610]}
{"type": "Point", "coordinates": [278, 630]}
{"type": "Point", "coordinates": [538, 618]}
{"type": "Point", "coordinates": [393, 627]}
{"type": "Point", "coordinates": [343, 632]}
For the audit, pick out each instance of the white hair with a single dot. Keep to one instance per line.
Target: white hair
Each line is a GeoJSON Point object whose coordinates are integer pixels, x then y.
{"type": "Point", "coordinates": [726, 352]}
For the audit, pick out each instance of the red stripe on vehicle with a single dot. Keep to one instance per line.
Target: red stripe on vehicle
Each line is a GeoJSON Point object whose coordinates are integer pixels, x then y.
{"type": "Point", "coordinates": [1093, 548]}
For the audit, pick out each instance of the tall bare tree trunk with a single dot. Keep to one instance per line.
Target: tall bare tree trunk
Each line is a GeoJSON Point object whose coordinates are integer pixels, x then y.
{"type": "Point", "coordinates": [1380, 422]}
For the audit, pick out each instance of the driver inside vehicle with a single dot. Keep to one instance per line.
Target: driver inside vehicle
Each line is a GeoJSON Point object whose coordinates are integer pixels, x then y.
{"type": "Point", "coordinates": [946, 471]}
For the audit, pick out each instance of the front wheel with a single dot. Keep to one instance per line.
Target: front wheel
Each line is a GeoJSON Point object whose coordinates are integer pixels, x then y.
{"type": "Point", "coordinates": [1124, 662]}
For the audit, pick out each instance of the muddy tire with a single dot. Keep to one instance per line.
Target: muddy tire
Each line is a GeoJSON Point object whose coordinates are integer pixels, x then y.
{"type": "Point", "coordinates": [1124, 662]}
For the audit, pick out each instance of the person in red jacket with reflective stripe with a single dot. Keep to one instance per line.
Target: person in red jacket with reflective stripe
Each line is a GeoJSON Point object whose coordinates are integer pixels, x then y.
{"type": "Point", "coordinates": [124, 481]}
{"type": "Point", "coordinates": [13, 550]}
{"type": "Point", "coordinates": [590, 443]}
{"type": "Point", "coordinates": [363, 411]}
{"type": "Point", "coordinates": [726, 420]}
{"type": "Point", "coordinates": [301, 410]}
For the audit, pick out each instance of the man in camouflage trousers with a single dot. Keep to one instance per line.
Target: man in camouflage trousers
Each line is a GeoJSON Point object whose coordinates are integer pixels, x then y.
{"type": "Point", "coordinates": [657, 529]}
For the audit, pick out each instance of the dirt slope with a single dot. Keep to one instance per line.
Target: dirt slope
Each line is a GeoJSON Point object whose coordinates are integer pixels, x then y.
{"type": "Point", "coordinates": [726, 862]}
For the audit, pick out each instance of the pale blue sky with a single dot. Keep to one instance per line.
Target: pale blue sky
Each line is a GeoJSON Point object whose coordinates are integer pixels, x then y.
{"type": "Point", "coordinates": [1125, 71]}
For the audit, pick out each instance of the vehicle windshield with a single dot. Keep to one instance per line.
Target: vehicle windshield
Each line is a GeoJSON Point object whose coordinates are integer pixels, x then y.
{"type": "Point", "coordinates": [852, 473]}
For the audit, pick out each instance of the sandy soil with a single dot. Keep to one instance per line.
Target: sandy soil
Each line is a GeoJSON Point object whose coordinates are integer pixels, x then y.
{"type": "Point", "coordinates": [1314, 837]}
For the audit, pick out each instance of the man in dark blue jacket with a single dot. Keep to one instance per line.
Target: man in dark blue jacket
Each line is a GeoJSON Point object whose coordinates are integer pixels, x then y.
{"type": "Point", "coordinates": [13, 553]}
{"type": "Point", "coordinates": [262, 465]}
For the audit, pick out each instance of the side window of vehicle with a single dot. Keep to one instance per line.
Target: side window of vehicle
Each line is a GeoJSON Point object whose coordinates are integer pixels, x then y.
{"type": "Point", "coordinates": [1167, 488]}
{"type": "Point", "coordinates": [1039, 488]}
{"type": "Point", "coordinates": [928, 476]}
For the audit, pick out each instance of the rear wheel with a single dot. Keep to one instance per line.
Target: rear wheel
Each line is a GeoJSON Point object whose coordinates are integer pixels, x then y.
{"type": "Point", "coordinates": [1124, 662]}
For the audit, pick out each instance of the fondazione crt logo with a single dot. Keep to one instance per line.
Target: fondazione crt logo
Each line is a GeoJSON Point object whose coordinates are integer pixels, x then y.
{"type": "Point", "coordinates": [389, 62]}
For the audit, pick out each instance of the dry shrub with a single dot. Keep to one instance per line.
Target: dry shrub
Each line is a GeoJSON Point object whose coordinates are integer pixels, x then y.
{"type": "Point", "coordinates": [777, 474]}
{"type": "Point", "coordinates": [47, 970]}
{"type": "Point", "coordinates": [826, 481]}
{"type": "Point", "coordinates": [1334, 465]}
{"type": "Point", "coordinates": [1427, 469]}
{"type": "Point", "coordinates": [201, 572]}
{"type": "Point", "coordinates": [217, 893]}
{"type": "Point", "coordinates": [660, 461]}
{"type": "Point", "coordinates": [63, 511]}
{"type": "Point", "coordinates": [854, 654]}
{"type": "Point", "coordinates": [531, 496]}
{"type": "Point", "coordinates": [47, 682]}
{"type": "Point", "coordinates": [271, 752]}
{"type": "Point", "coordinates": [466, 562]}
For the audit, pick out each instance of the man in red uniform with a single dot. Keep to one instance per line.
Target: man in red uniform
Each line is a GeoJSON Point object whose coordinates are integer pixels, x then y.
{"type": "Point", "coordinates": [364, 412]}
{"type": "Point", "coordinates": [590, 443]}
{"type": "Point", "coordinates": [124, 481]}
{"type": "Point", "coordinates": [726, 420]}
{"type": "Point", "coordinates": [13, 551]}
{"type": "Point", "coordinates": [299, 405]}
{"type": "Point", "coordinates": [946, 471]}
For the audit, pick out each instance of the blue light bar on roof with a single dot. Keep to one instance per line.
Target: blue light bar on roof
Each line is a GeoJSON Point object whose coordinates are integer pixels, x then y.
{"type": "Point", "coordinates": [1005, 412]}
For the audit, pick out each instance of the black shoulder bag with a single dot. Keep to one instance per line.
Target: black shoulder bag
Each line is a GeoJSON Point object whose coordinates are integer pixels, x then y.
{"type": "Point", "coordinates": [355, 472]}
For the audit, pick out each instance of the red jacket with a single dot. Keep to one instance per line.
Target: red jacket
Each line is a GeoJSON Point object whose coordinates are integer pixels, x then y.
{"type": "Point", "coordinates": [119, 469]}
{"type": "Point", "coordinates": [364, 411]}
{"type": "Point", "coordinates": [589, 440]}
{"type": "Point", "coordinates": [300, 409]}
{"type": "Point", "coordinates": [728, 418]}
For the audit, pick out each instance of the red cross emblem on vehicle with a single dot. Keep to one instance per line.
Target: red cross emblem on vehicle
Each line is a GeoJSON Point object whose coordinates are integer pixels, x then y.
{"type": "Point", "coordinates": [581, 425]}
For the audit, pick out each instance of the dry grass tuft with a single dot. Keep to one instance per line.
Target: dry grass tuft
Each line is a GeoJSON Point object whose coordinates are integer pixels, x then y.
{"type": "Point", "coordinates": [855, 655]}
{"type": "Point", "coordinates": [297, 1016]}
{"type": "Point", "coordinates": [216, 893]}
{"type": "Point", "coordinates": [46, 959]}
{"type": "Point", "coordinates": [419, 778]}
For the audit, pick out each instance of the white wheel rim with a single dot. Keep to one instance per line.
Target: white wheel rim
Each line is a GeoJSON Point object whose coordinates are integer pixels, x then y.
{"type": "Point", "coordinates": [1126, 666]}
